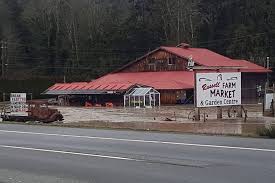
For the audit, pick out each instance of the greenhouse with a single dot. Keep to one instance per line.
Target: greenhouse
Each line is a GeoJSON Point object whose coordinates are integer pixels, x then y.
{"type": "Point", "coordinates": [142, 97]}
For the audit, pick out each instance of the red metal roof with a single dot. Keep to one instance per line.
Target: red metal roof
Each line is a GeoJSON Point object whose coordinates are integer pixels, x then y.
{"type": "Point", "coordinates": [90, 86]}
{"type": "Point", "coordinates": [67, 86]}
{"type": "Point", "coordinates": [204, 57]}
{"type": "Point", "coordinates": [175, 80]}
{"type": "Point", "coordinates": [201, 56]}
{"type": "Point", "coordinates": [54, 86]}
{"type": "Point", "coordinates": [159, 80]}
{"type": "Point", "coordinates": [251, 67]}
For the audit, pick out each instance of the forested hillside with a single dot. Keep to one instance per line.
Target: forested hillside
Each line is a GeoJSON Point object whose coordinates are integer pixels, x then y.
{"type": "Point", "coordinates": [84, 39]}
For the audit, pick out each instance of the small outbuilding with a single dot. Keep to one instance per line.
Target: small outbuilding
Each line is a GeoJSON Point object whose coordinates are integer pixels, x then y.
{"type": "Point", "coordinates": [142, 97]}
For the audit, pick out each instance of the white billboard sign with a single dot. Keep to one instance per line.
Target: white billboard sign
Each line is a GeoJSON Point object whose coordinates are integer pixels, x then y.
{"type": "Point", "coordinates": [18, 103]}
{"type": "Point", "coordinates": [218, 89]}
{"type": "Point", "coordinates": [268, 100]}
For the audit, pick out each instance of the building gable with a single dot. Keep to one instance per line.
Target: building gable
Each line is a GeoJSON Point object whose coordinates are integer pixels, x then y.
{"type": "Point", "coordinates": [176, 59]}
{"type": "Point", "coordinates": [157, 61]}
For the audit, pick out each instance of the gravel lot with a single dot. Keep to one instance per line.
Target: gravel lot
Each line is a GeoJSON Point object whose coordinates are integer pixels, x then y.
{"type": "Point", "coordinates": [178, 113]}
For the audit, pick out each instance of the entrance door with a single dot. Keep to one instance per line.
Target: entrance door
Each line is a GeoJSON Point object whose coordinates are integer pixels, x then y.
{"type": "Point", "coordinates": [152, 99]}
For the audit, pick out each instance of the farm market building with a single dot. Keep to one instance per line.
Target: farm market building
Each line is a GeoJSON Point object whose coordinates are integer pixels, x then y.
{"type": "Point", "coordinates": [166, 70]}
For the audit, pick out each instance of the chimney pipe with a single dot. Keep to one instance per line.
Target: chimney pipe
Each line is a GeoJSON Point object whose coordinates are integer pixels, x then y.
{"type": "Point", "coordinates": [184, 45]}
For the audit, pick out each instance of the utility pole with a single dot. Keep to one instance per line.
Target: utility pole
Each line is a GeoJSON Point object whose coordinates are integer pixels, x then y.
{"type": "Point", "coordinates": [268, 67]}
{"type": "Point", "coordinates": [4, 47]}
{"type": "Point", "coordinates": [178, 26]}
{"type": "Point", "coordinates": [2, 58]}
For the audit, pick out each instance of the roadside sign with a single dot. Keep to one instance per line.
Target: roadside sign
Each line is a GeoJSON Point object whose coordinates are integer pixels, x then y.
{"type": "Point", "coordinates": [218, 89]}
{"type": "Point", "coordinates": [18, 105]}
{"type": "Point", "coordinates": [268, 100]}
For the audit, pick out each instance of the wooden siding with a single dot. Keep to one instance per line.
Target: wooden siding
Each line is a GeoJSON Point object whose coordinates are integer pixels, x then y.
{"type": "Point", "coordinates": [158, 61]}
{"type": "Point", "coordinates": [250, 81]}
{"type": "Point", "coordinates": [171, 96]}
{"type": "Point", "coordinates": [249, 90]}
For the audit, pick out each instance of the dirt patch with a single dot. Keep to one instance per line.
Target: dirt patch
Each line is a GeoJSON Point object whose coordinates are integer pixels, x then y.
{"type": "Point", "coordinates": [180, 114]}
{"type": "Point", "coordinates": [154, 120]}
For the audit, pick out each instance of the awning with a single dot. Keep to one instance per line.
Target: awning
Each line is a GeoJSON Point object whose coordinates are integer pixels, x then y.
{"type": "Point", "coordinates": [122, 82]}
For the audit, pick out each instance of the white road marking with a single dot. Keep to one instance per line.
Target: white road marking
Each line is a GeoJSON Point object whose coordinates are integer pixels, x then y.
{"type": "Point", "coordinates": [143, 141]}
{"type": "Point", "coordinates": [69, 152]}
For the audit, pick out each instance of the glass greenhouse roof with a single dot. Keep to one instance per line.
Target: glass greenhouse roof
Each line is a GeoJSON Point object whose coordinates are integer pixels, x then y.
{"type": "Point", "coordinates": [140, 91]}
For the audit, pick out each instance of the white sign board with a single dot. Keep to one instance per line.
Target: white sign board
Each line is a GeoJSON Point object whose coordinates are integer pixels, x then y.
{"type": "Point", "coordinates": [218, 89]}
{"type": "Point", "coordinates": [268, 100]}
{"type": "Point", "coordinates": [18, 104]}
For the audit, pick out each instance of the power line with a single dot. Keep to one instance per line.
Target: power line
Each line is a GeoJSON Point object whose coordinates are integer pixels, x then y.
{"type": "Point", "coordinates": [92, 49]}
{"type": "Point", "coordinates": [109, 51]}
{"type": "Point", "coordinates": [63, 67]}
{"type": "Point", "coordinates": [59, 59]}
{"type": "Point", "coordinates": [234, 38]}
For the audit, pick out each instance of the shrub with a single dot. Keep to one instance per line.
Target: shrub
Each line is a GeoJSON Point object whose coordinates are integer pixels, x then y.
{"type": "Point", "coordinates": [267, 132]}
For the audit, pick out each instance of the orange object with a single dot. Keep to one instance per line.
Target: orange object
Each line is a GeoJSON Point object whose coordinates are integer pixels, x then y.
{"type": "Point", "coordinates": [88, 104]}
{"type": "Point", "coordinates": [109, 104]}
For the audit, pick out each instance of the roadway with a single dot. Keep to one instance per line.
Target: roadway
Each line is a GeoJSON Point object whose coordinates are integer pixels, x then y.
{"type": "Point", "coordinates": [51, 154]}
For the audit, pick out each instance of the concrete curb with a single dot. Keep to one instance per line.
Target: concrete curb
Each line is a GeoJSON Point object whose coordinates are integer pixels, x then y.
{"type": "Point", "coordinates": [211, 128]}
{"type": "Point", "coordinates": [215, 128]}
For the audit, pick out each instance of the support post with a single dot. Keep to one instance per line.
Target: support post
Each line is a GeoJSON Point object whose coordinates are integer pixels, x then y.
{"type": "Point", "coordinates": [4, 97]}
{"type": "Point", "coordinates": [197, 109]}
{"type": "Point", "coordinates": [197, 114]}
{"type": "Point", "coordinates": [264, 101]}
{"type": "Point", "coordinates": [240, 112]}
{"type": "Point", "coordinates": [144, 101]}
{"type": "Point", "coordinates": [219, 112]}
{"type": "Point", "coordinates": [267, 66]}
{"type": "Point", "coordinates": [129, 100]}
{"type": "Point", "coordinates": [154, 100]}
{"type": "Point", "coordinates": [159, 100]}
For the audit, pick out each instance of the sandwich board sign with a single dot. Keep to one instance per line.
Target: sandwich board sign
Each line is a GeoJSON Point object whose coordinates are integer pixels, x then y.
{"type": "Point", "coordinates": [18, 104]}
{"type": "Point", "coordinates": [218, 89]}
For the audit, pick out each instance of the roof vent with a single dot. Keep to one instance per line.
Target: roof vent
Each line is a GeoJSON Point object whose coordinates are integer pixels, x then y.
{"type": "Point", "coordinates": [184, 45]}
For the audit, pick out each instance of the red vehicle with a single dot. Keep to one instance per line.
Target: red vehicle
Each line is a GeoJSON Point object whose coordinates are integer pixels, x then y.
{"type": "Point", "coordinates": [37, 111]}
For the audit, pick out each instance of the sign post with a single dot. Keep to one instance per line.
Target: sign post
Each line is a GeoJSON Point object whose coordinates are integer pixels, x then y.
{"type": "Point", "coordinates": [219, 112]}
{"type": "Point", "coordinates": [197, 110]}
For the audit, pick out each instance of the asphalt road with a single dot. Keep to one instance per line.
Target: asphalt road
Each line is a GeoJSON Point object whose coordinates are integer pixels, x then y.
{"type": "Point", "coordinates": [48, 154]}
